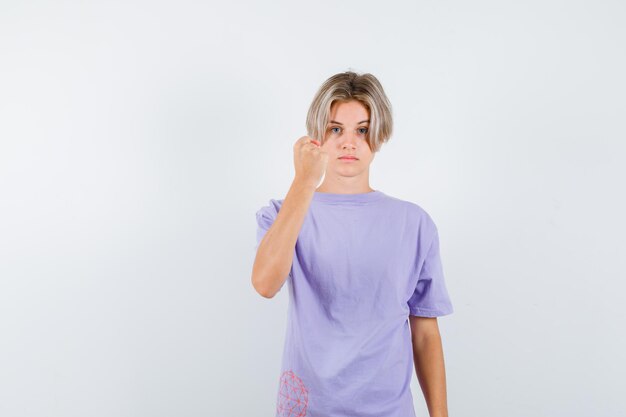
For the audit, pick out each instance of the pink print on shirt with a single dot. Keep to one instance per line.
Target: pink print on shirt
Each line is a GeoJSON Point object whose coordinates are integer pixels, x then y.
{"type": "Point", "coordinates": [293, 397]}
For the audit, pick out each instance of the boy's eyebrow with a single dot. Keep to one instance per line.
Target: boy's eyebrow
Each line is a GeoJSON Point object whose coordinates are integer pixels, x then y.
{"type": "Point", "coordinates": [362, 121]}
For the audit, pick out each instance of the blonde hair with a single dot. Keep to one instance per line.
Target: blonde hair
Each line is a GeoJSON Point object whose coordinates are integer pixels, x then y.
{"type": "Point", "coordinates": [346, 86]}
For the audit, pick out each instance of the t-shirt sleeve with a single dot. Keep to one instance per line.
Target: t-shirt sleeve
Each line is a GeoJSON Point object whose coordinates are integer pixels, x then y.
{"type": "Point", "coordinates": [430, 298]}
{"type": "Point", "coordinates": [265, 217]}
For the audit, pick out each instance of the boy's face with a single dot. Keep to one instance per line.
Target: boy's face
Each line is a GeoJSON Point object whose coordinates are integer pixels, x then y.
{"type": "Point", "coordinates": [346, 134]}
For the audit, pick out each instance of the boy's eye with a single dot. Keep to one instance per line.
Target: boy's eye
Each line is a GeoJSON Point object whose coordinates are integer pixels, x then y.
{"type": "Point", "coordinates": [362, 130]}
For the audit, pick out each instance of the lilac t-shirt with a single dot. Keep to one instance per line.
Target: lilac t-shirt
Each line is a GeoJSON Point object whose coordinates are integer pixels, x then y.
{"type": "Point", "coordinates": [362, 264]}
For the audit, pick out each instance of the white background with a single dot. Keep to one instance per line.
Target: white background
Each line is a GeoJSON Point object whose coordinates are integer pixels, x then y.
{"type": "Point", "coordinates": [139, 138]}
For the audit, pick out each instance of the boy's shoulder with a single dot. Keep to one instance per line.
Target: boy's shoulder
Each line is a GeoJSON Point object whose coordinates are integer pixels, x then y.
{"type": "Point", "coordinates": [397, 204]}
{"type": "Point", "coordinates": [410, 206]}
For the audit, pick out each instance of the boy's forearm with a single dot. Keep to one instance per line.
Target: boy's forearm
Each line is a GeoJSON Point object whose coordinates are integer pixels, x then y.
{"type": "Point", "coordinates": [430, 371]}
{"type": "Point", "coordinates": [275, 252]}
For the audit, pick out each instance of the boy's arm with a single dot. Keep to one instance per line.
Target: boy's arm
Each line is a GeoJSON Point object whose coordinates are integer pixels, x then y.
{"type": "Point", "coordinates": [429, 363]}
{"type": "Point", "coordinates": [274, 255]}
